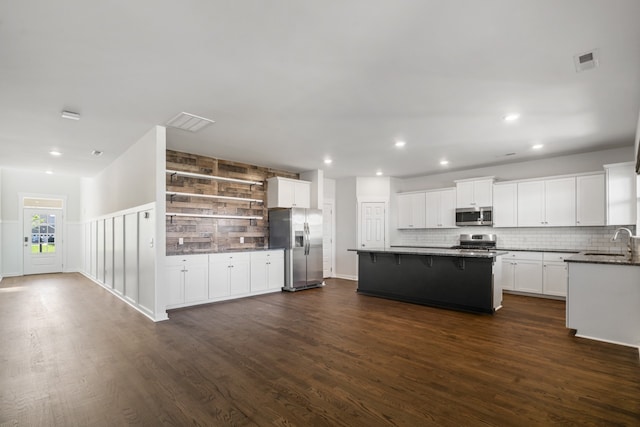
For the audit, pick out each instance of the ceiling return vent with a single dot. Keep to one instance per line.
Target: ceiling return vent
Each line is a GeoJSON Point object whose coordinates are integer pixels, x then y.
{"type": "Point", "coordinates": [190, 122]}
{"type": "Point", "coordinates": [586, 61]}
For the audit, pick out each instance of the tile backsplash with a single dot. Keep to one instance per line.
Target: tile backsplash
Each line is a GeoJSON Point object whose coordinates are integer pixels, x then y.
{"type": "Point", "coordinates": [556, 238]}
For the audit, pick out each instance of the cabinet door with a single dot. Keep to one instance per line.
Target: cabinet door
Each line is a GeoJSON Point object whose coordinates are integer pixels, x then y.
{"type": "Point", "coordinates": [239, 277]}
{"type": "Point", "coordinates": [196, 282]}
{"type": "Point", "coordinates": [259, 272]}
{"type": "Point", "coordinates": [555, 279]}
{"type": "Point", "coordinates": [218, 277]}
{"type": "Point", "coordinates": [174, 276]}
{"type": "Point", "coordinates": [447, 211]}
{"type": "Point", "coordinates": [621, 194]}
{"type": "Point", "coordinates": [528, 276]}
{"type": "Point", "coordinates": [560, 202]}
{"type": "Point", "coordinates": [411, 210]}
{"type": "Point", "coordinates": [531, 204]}
{"type": "Point", "coordinates": [464, 195]}
{"type": "Point", "coordinates": [508, 275]}
{"type": "Point", "coordinates": [590, 200]}
{"type": "Point", "coordinates": [432, 206]}
{"type": "Point", "coordinates": [505, 205]}
{"type": "Point", "coordinates": [301, 195]}
{"type": "Point", "coordinates": [276, 271]}
{"type": "Point", "coordinates": [483, 192]}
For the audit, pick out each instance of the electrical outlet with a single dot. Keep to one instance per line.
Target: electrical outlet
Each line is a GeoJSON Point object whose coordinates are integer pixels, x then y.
{"type": "Point", "coordinates": [242, 239]}
{"type": "Point", "coordinates": [181, 240]}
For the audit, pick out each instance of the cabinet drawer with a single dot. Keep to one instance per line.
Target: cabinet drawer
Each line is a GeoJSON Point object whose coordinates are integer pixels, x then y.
{"type": "Point", "coordinates": [186, 259]}
{"type": "Point", "coordinates": [534, 256]}
{"type": "Point", "coordinates": [556, 256]}
{"type": "Point", "coordinates": [231, 256]}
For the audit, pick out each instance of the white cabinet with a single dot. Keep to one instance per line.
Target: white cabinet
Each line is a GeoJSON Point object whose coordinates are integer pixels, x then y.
{"type": "Point", "coordinates": [288, 193]}
{"type": "Point", "coordinates": [555, 277]}
{"type": "Point", "coordinates": [440, 208]}
{"type": "Point", "coordinates": [505, 205]}
{"type": "Point", "coordinates": [229, 274]}
{"type": "Point", "coordinates": [590, 200]}
{"type": "Point", "coordinates": [522, 271]}
{"type": "Point", "coordinates": [267, 270]}
{"type": "Point", "coordinates": [545, 203]}
{"type": "Point", "coordinates": [186, 279]}
{"type": "Point", "coordinates": [411, 210]}
{"type": "Point", "coordinates": [474, 193]}
{"type": "Point", "coordinates": [621, 193]}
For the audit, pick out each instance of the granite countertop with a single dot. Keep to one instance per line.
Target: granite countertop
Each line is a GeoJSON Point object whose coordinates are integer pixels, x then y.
{"type": "Point", "coordinates": [404, 250]}
{"type": "Point", "coordinates": [571, 251]}
{"type": "Point", "coordinates": [592, 257]}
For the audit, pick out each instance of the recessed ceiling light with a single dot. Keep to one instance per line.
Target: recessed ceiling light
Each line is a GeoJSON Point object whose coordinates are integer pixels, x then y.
{"type": "Point", "coordinates": [49, 172]}
{"type": "Point", "coordinates": [328, 161]}
{"type": "Point", "coordinates": [511, 117]}
{"type": "Point", "coordinates": [537, 146]}
{"type": "Point", "coordinates": [55, 153]}
{"type": "Point", "coordinates": [400, 144]}
{"type": "Point", "coordinates": [70, 115]}
{"type": "Point", "coordinates": [444, 162]}
{"type": "Point", "coordinates": [379, 173]}
{"type": "Point", "coordinates": [97, 153]}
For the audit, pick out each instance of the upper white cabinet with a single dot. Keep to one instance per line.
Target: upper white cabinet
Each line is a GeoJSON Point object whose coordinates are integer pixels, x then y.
{"type": "Point", "coordinates": [547, 203]}
{"type": "Point", "coordinates": [474, 193]}
{"type": "Point", "coordinates": [590, 200]}
{"type": "Point", "coordinates": [505, 205]}
{"type": "Point", "coordinates": [441, 208]}
{"type": "Point", "coordinates": [288, 193]}
{"type": "Point", "coordinates": [620, 193]}
{"type": "Point", "coordinates": [411, 210]}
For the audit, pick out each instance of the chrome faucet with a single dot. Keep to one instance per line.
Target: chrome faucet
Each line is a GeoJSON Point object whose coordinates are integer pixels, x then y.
{"type": "Point", "coordinates": [615, 236]}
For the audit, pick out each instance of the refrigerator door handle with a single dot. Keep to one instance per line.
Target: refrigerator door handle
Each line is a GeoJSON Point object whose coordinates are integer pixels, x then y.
{"type": "Point", "coordinates": [307, 236]}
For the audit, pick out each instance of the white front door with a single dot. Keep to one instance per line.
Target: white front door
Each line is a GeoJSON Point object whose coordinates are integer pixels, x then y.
{"type": "Point", "coordinates": [42, 240]}
{"type": "Point", "coordinates": [372, 220]}
{"type": "Point", "coordinates": [327, 239]}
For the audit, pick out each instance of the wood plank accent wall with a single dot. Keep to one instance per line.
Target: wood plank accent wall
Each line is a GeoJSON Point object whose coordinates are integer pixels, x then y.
{"type": "Point", "coordinates": [208, 235]}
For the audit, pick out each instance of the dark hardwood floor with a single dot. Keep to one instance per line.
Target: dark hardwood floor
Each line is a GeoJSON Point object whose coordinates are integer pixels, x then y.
{"type": "Point", "coordinates": [71, 354]}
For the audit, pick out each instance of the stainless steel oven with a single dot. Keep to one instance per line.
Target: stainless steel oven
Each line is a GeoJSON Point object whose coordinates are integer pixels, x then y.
{"type": "Point", "coordinates": [474, 216]}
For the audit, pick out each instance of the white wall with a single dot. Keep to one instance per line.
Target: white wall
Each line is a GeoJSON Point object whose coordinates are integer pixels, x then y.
{"type": "Point", "coordinates": [14, 183]}
{"type": "Point", "coordinates": [127, 182]}
{"type": "Point", "coordinates": [577, 163]}
{"type": "Point", "coordinates": [329, 189]}
{"type": "Point", "coordinates": [346, 228]}
{"type": "Point", "coordinates": [316, 177]}
{"type": "Point", "coordinates": [130, 186]}
{"type": "Point", "coordinates": [0, 225]}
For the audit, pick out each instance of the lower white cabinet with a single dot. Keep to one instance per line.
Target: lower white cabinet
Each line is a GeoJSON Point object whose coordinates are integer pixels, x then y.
{"type": "Point", "coordinates": [229, 274]}
{"type": "Point", "coordinates": [555, 274]}
{"type": "Point", "coordinates": [187, 279]}
{"type": "Point", "coordinates": [198, 279]}
{"type": "Point", "coordinates": [267, 271]}
{"type": "Point", "coordinates": [543, 273]}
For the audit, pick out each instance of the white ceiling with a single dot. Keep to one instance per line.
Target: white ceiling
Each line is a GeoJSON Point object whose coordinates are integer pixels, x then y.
{"type": "Point", "coordinates": [290, 82]}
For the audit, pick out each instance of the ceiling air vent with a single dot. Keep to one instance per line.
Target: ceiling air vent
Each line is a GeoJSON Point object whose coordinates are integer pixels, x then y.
{"type": "Point", "coordinates": [586, 61]}
{"type": "Point", "coordinates": [190, 122]}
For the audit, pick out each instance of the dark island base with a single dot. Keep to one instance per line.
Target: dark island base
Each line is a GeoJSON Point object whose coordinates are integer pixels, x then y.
{"type": "Point", "coordinates": [459, 283]}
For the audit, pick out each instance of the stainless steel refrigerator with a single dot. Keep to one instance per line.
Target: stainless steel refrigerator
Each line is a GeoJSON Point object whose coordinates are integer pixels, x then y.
{"type": "Point", "coordinates": [299, 232]}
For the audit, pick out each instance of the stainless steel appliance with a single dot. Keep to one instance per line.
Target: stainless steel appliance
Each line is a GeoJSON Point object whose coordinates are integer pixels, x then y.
{"type": "Point", "coordinates": [474, 216]}
{"type": "Point", "coordinates": [477, 242]}
{"type": "Point", "coordinates": [299, 232]}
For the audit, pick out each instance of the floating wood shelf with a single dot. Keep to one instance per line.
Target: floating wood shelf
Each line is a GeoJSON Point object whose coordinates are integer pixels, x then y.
{"type": "Point", "coordinates": [172, 214]}
{"type": "Point", "coordinates": [172, 194]}
{"type": "Point", "coordinates": [212, 177]}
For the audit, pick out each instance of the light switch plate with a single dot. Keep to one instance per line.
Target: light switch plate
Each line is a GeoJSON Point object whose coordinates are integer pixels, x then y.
{"type": "Point", "coordinates": [242, 239]}
{"type": "Point", "coordinates": [181, 240]}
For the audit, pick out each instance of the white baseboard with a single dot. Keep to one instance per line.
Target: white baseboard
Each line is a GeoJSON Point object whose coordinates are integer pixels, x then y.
{"type": "Point", "coordinates": [346, 277]}
{"type": "Point", "coordinates": [157, 318]}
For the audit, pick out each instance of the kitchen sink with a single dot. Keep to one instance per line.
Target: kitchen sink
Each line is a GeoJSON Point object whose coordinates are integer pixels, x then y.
{"type": "Point", "coordinates": [602, 254]}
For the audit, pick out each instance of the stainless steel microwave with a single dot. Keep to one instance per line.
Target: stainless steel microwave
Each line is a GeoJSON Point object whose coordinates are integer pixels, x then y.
{"type": "Point", "coordinates": [474, 216]}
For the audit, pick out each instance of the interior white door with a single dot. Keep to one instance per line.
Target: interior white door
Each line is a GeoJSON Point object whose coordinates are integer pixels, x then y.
{"type": "Point", "coordinates": [42, 241]}
{"type": "Point", "coordinates": [372, 220]}
{"type": "Point", "coordinates": [327, 239]}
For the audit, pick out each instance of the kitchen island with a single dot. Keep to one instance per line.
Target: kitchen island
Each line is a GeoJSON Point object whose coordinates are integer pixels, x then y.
{"type": "Point", "coordinates": [448, 278]}
{"type": "Point", "coordinates": [603, 298]}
